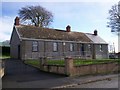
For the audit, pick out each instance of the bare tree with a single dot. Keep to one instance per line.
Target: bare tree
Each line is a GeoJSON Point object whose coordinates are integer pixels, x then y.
{"type": "Point", "coordinates": [37, 15]}
{"type": "Point", "coordinates": [114, 18]}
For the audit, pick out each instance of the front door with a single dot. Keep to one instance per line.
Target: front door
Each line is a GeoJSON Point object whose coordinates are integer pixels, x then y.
{"type": "Point", "coordinates": [18, 51]}
{"type": "Point", "coordinates": [82, 50]}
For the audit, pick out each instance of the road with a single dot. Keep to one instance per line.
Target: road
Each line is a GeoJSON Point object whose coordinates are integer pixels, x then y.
{"type": "Point", "coordinates": [108, 83]}
{"type": "Point", "coordinates": [19, 75]}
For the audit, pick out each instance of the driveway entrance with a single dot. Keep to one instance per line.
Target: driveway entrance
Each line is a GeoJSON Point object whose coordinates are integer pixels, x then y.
{"type": "Point", "coordinates": [17, 72]}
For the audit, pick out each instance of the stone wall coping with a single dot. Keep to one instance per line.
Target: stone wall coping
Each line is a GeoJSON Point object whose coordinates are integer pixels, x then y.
{"type": "Point", "coordinates": [55, 65]}
{"type": "Point", "coordinates": [68, 58]}
{"type": "Point", "coordinates": [94, 64]}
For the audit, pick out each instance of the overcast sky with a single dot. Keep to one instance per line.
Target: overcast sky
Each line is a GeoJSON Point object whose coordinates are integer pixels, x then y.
{"type": "Point", "coordinates": [81, 15]}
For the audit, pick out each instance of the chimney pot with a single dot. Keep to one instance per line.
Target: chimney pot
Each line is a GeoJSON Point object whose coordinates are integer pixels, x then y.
{"type": "Point", "coordinates": [95, 32]}
{"type": "Point", "coordinates": [16, 21]}
{"type": "Point", "coordinates": [68, 28]}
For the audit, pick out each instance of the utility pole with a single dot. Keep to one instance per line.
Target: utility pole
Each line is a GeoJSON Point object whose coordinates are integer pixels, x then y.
{"type": "Point", "coordinates": [119, 28]}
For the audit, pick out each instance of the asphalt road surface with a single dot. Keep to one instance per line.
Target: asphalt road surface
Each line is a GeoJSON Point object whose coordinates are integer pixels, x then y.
{"type": "Point", "coordinates": [112, 83]}
{"type": "Point", "coordinates": [19, 75]}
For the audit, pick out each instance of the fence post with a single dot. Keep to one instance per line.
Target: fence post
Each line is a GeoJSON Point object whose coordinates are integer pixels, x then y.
{"type": "Point", "coordinates": [69, 67]}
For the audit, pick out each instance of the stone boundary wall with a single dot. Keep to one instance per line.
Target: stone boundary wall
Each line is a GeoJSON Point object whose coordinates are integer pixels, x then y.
{"type": "Point", "coordinates": [54, 69]}
{"type": "Point", "coordinates": [70, 70]}
{"type": "Point", "coordinates": [1, 69]}
{"type": "Point", "coordinates": [95, 69]}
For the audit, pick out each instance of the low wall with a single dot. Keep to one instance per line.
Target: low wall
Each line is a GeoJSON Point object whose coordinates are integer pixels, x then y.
{"type": "Point", "coordinates": [54, 69]}
{"type": "Point", "coordinates": [1, 69]}
{"type": "Point", "coordinates": [71, 70]}
{"type": "Point", "coordinates": [95, 69]}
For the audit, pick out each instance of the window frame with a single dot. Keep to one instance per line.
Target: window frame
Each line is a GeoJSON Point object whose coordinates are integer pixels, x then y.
{"type": "Point", "coordinates": [89, 47]}
{"type": "Point", "coordinates": [71, 47]}
{"type": "Point", "coordinates": [55, 46]}
{"type": "Point", "coordinates": [35, 46]}
{"type": "Point", "coordinates": [101, 47]}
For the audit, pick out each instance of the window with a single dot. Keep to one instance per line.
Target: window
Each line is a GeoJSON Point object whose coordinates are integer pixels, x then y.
{"type": "Point", "coordinates": [89, 46]}
{"type": "Point", "coordinates": [55, 46]}
{"type": "Point", "coordinates": [71, 47]}
{"type": "Point", "coordinates": [34, 46]}
{"type": "Point", "coordinates": [100, 47]}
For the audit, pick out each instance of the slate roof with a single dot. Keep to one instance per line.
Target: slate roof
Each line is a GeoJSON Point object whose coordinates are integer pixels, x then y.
{"type": "Point", "coordinates": [95, 39]}
{"type": "Point", "coordinates": [51, 34]}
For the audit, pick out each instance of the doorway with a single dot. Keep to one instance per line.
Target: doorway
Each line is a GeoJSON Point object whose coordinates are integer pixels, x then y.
{"type": "Point", "coordinates": [82, 50]}
{"type": "Point", "coordinates": [18, 51]}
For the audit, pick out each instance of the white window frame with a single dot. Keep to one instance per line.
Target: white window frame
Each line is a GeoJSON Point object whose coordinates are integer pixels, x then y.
{"type": "Point", "coordinates": [35, 46]}
{"type": "Point", "coordinates": [101, 47]}
{"type": "Point", "coordinates": [55, 46]}
{"type": "Point", "coordinates": [71, 47]}
{"type": "Point", "coordinates": [89, 46]}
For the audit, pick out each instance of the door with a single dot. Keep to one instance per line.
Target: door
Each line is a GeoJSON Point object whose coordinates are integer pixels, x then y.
{"type": "Point", "coordinates": [18, 51]}
{"type": "Point", "coordinates": [82, 50]}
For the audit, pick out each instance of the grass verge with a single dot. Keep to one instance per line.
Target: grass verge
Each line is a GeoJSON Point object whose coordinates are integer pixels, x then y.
{"type": "Point", "coordinates": [4, 56]}
{"type": "Point", "coordinates": [36, 63]}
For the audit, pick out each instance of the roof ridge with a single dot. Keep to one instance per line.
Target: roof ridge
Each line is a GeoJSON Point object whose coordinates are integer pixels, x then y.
{"type": "Point", "coordinates": [50, 33]}
{"type": "Point", "coordinates": [47, 28]}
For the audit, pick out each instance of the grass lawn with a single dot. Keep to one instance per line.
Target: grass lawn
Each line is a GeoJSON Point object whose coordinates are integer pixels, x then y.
{"type": "Point", "coordinates": [33, 63]}
{"type": "Point", "coordinates": [76, 62]}
{"type": "Point", "coordinates": [4, 56]}
{"type": "Point", "coordinates": [85, 62]}
{"type": "Point", "coordinates": [56, 62]}
{"type": "Point", "coordinates": [36, 63]}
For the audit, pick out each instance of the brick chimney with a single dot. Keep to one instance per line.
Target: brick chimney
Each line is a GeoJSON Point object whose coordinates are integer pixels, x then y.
{"type": "Point", "coordinates": [68, 28]}
{"type": "Point", "coordinates": [95, 32]}
{"type": "Point", "coordinates": [16, 21]}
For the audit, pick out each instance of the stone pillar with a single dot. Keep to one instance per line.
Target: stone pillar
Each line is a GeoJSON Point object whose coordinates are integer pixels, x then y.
{"type": "Point", "coordinates": [93, 51]}
{"type": "Point", "coordinates": [69, 67]}
{"type": "Point", "coordinates": [43, 61]}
